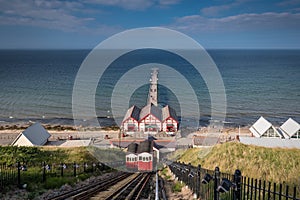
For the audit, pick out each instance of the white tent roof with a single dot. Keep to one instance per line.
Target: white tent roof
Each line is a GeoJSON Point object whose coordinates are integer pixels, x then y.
{"type": "Point", "coordinates": [260, 127]}
{"type": "Point", "coordinates": [36, 134]}
{"type": "Point", "coordinates": [290, 127]}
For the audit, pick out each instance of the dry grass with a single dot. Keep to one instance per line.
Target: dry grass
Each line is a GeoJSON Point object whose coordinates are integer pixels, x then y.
{"type": "Point", "coordinates": [271, 164]}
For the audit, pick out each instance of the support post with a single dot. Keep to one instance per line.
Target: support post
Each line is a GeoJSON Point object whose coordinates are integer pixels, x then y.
{"type": "Point", "coordinates": [44, 171]}
{"type": "Point", "coordinates": [19, 174]}
{"type": "Point", "coordinates": [74, 168]}
{"type": "Point", "coordinates": [216, 183]}
{"type": "Point", "coordinates": [61, 169]}
{"type": "Point", "coordinates": [198, 183]}
{"type": "Point", "coordinates": [238, 182]}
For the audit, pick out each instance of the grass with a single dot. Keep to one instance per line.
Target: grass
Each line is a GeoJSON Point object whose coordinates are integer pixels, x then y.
{"type": "Point", "coordinates": [9, 155]}
{"type": "Point", "coordinates": [271, 164]}
{"type": "Point", "coordinates": [34, 156]}
{"type": "Point", "coordinates": [177, 187]}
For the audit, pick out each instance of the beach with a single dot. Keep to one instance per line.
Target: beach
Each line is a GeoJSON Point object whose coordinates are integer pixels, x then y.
{"type": "Point", "coordinates": [8, 134]}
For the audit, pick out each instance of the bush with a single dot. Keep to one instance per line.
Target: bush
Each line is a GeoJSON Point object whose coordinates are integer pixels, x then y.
{"type": "Point", "coordinates": [177, 187]}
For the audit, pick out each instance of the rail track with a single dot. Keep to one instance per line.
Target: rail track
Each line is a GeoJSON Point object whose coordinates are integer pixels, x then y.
{"type": "Point", "coordinates": [135, 189]}
{"type": "Point", "coordinates": [86, 192]}
{"type": "Point", "coordinates": [120, 186]}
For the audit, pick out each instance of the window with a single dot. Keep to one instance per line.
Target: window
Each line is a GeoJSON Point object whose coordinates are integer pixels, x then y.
{"type": "Point", "coordinates": [296, 135]}
{"type": "Point", "coordinates": [143, 158]}
{"type": "Point", "coordinates": [140, 157]}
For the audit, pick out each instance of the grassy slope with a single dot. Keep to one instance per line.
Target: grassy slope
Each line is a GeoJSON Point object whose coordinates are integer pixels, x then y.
{"type": "Point", "coordinates": [11, 154]}
{"type": "Point", "coordinates": [271, 164]}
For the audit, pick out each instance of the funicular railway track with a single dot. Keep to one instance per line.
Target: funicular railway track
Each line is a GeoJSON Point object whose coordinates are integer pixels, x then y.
{"type": "Point", "coordinates": [86, 192]}
{"type": "Point", "coordinates": [131, 187]}
{"type": "Point", "coordinates": [133, 190]}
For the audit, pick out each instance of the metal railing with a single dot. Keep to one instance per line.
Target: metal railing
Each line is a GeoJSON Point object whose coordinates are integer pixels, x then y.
{"type": "Point", "coordinates": [215, 185]}
{"type": "Point", "coordinates": [20, 173]}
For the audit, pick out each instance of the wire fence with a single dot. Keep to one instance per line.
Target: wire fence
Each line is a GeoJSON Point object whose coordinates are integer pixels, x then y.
{"type": "Point", "coordinates": [215, 185]}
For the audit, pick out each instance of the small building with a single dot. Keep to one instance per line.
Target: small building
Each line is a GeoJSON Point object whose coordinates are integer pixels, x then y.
{"type": "Point", "coordinates": [290, 129]}
{"type": "Point", "coordinates": [263, 128]}
{"type": "Point", "coordinates": [34, 135]}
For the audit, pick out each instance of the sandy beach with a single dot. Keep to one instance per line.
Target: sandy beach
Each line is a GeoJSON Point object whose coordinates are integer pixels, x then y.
{"type": "Point", "coordinates": [9, 133]}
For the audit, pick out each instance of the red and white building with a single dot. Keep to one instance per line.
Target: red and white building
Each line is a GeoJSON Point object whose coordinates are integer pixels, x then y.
{"type": "Point", "coordinates": [150, 119]}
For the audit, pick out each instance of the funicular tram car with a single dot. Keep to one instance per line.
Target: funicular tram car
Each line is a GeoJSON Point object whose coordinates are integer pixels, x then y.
{"type": "Point", "coordinates": [131, 157]}
{"type": "Point", "coordinates": [140, 156]}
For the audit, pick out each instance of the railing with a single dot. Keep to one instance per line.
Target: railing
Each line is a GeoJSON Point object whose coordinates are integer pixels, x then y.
{"type": "Point", "coordinates": [8, 175]}
{"type": "Point", "coordinates": [20, 173]}
{"type": "Point", "coordinates": [215, 185]}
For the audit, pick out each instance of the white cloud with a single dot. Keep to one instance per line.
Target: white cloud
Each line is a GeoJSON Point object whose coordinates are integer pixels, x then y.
{"type": "Point", "coordinates": [244, 22]}
{"type": "Point", "coordinates": [169, 2]}
{"type": "Point", "coordinates": [215, 10]}
{"type": "Point", "coordinates": [126, 4]}
{"type": "Point", "coordinates": [133, 4]}
{"type": "Point", "coordinates": [54, 14]}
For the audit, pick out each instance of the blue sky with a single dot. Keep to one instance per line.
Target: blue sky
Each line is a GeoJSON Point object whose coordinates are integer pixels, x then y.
{"type": "Point", "coordinates": [64, 24]}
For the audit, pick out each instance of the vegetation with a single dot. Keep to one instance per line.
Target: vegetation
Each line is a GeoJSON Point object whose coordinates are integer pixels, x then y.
{"type": "Point", "coordinates": [33, 157]}
{"type": "Point", "coordinates": [271, 164]}
{"type": "Point", "coordinates": [9, 155]}
{"type": "Point", "coordinates": [177, 187]}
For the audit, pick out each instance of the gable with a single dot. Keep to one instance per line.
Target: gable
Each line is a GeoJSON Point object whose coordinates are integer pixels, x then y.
{"type": "Point", "coordinates": [290, 127]}
{"type": "Point", "coordinates": [22, 141]}
{"type": "Point", "coordinates": [260, 126]}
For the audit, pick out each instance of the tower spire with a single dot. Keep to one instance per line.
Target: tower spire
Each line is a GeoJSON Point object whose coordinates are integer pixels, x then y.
{"type": "Point", "coordinates": [152, 95]}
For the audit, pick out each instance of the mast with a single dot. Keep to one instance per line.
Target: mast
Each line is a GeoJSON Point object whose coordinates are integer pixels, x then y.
{"type": "Point", "coordinates": [152, 95]}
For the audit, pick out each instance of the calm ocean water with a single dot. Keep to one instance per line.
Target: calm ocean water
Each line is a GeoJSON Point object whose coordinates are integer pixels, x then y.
{"type": "Point", "coordinates": [38, 84]}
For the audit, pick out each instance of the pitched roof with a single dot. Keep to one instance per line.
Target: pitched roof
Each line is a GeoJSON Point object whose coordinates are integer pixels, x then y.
{"type": "Point", "coordinates": [132, 112]}
{"type": "Point", "coordinates": [260, 127]}
{"type": "Point", "coordinates": [151, 109]}
{"type": "Point", "coordinates": [36, 134]}
{"type": "Point", "coordinates": [132, 147]}
{"type": "Point", "coordinates": [167, 112]}
{"type": "Point", "coordinates": [290, 127]}
{"type": "Point", "coordinates": [145, 146]}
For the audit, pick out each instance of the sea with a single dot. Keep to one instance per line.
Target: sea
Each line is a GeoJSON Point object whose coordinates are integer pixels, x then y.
{"type": "Point", "coordinates": [37, 85]}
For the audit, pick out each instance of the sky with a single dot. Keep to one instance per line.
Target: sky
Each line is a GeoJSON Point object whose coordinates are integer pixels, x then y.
{"type": "Point", "coordinates": [215, 24]}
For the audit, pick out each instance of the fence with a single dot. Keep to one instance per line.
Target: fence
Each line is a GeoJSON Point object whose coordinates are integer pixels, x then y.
{"type": "Point", "coordinates": [21, 173]}
{"type": "Point", "coordinates": [214, 185]}
{"type": "Point", "coordinates": [8, 175]}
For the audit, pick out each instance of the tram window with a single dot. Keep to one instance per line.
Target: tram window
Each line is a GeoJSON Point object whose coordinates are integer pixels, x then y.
{"type": "Point", "coordinates": [147, 159]}
{"type": "Point", "coordinates": [150, 158]}
{"type": "Point", "coordinates": [143, 158]}
{"type": "Point", "coordinates": [140, 157]}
